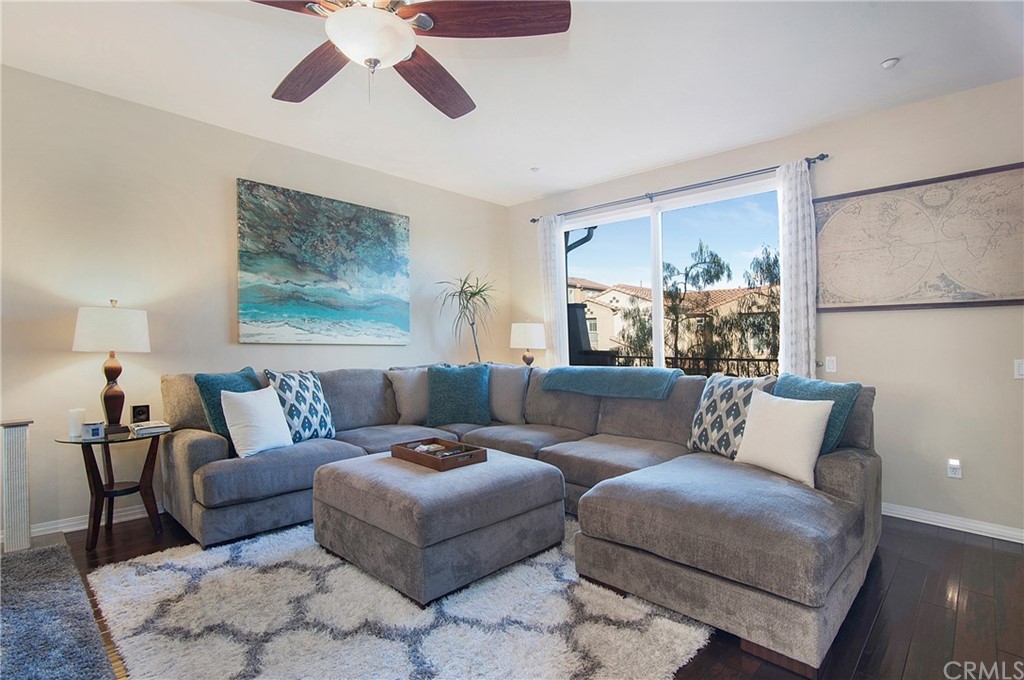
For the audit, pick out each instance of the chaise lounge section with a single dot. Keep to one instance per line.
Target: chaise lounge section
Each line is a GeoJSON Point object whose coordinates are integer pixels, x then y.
{"type": "Point", "coordinates": [769, 559]}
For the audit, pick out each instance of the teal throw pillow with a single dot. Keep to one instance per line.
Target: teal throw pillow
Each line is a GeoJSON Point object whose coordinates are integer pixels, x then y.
{"type": "Point", "coordinates": [844, 395]}
{"type": "Point", "coordinates": [459, 394]}
{"type": "Point", "coordinates": [302, 399]}
{"type": "Point", "coordinates": [212, 384]}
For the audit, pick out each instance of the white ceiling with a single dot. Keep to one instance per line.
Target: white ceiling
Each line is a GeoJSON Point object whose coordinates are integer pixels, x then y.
{"type": "Point", "coordinates": [631, 86]}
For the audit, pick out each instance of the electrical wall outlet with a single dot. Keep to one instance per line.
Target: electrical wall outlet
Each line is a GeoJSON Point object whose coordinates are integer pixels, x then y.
{"type": "Point", "coordinates": [953, 469]}
{"type": "Point", "coordinates": [830, 364]}
{"type": "Point", "coordinates": [1018, 369]}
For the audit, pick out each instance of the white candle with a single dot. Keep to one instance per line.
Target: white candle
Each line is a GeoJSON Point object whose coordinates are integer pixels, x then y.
{"type": "Point", "coordinates": [76, 417]}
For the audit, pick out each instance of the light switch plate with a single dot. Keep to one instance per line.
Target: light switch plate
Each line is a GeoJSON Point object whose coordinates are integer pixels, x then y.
{"type": "Point", "coordinates": [1018, 369]}
{"type": "Point", "coordinates": [830, 364]}
{"type": "Point", "coordinates": [954, 470]}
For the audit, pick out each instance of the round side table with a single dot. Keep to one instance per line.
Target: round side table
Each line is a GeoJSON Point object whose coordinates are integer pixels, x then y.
{"type": "Point", "coordinates": [100, 491]}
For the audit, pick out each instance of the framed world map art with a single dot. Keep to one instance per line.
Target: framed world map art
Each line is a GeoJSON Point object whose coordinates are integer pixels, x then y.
{"type": "Point", "coordinates": [315, 270]}
{"type": "Point", "coordinates": [947, 241]}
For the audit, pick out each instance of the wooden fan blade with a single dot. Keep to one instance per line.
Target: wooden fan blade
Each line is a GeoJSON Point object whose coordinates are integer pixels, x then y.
{"type": "Point", "coordinates": [291, 5]}
{"type": "Point", "coordinates": [311, 73]}
{"type": "Point", "coordinates": [436, 85]}
{"type": "Point", "coordinates": [492, 18]}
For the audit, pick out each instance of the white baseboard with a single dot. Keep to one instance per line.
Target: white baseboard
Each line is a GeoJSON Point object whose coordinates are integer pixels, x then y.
{"type": "Point", "coordinates": [971, 526]}
{"type": "Point", "coordinates": [82, 521]}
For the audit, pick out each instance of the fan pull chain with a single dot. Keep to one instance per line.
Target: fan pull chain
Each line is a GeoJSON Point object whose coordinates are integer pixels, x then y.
{"type": "Point", "coordinates": [371, 66]}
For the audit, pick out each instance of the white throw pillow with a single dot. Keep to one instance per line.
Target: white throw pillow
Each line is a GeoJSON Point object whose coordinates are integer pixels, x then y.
{"type": "Point", "coordinates": [784, 435]}
{"type": "Point", "coordinates": [412, 394]}
{"type": "Point", "coordinates": [255, 421]}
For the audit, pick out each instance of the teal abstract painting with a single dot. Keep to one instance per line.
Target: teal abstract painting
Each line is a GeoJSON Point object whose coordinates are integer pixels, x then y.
{"type": "Point", "coordinates": [315, 270]}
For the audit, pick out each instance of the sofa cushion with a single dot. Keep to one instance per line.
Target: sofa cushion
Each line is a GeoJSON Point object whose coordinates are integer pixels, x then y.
{"type": "Point", "coordinates": [722, 413]}
{"type": "Point", "coordinates": [359, 397]}
{"type": "Point", "coordinates": [412, 395]}
{"type": "Point", "coordinates": [183, 407]}
{"type": "Point", "coordinates": [508, 393]}
{"type": "Point", "coordinates": [566, 410]}
{"type": "Point", "coordinates": [842, 396]}
{"type": "Point", "coordinates": [379, 438]}
{"type": "Point", "coordinates": [733, 520]}
{"type": "Point", "coordinates": [522, 440]}
{"type": "Point", "coordinates": [459, 429]}
{"type": "Point", "coordinates": [667, 420]}
{"type": "Point", "coordinates": [594, 459]}
{"type": "Point", "coordinates": [266, 474]}
{"type": "Point", "coordinates": [459, 394]}
{"type": "Point", "coordinates": [302, 401]}
{"type": "Point", "coordinates": [859, 432]}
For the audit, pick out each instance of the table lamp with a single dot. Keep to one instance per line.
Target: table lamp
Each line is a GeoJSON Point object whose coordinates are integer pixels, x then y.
{"type": "Point", "coordinates": [111, 329]}
{"type": "Point", "coordinates": [526, 336]}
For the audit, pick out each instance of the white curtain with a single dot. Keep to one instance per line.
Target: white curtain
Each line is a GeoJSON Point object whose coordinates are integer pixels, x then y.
{"type": "Point", "coordinates": [551, 248]}
{"type": "Point", "coordinates": [798, 264]}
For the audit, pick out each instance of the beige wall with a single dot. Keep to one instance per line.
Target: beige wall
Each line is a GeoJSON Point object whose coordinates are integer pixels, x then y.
{"type": "Point", "coordinates": [944, 377]}
{"type": "Point", "coordinates": [104, 198]}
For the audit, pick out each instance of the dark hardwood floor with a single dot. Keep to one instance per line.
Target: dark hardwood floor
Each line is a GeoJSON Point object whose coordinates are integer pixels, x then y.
{"type": "Point", "coordinates": [931, 596]}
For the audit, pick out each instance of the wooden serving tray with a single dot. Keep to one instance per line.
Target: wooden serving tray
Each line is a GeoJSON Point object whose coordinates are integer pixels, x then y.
{"type": "Point", "coordinates": [453, 455]}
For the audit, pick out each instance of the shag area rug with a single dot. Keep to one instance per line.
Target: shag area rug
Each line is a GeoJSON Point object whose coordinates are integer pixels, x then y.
{"type": "Point", "coordinates": [280, 606]}
{"type": "Point", "coordinates": [47, 629]}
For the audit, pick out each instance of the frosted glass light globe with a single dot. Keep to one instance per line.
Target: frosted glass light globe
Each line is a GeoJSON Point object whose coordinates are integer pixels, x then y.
{"type": "Point", "coordinates": [364, 34]}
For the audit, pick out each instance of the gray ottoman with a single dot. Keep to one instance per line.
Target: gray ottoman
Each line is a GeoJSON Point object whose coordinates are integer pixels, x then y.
{"type": "Point", "coordinates": [427, 533]}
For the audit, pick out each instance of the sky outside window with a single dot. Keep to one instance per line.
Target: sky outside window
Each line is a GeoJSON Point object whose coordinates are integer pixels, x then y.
{"type": "Point", "coordinates": [736, 229]}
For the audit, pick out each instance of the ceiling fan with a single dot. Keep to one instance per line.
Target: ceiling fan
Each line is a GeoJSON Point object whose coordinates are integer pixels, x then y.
{"type": "Point", "coordinates": [382, 33]}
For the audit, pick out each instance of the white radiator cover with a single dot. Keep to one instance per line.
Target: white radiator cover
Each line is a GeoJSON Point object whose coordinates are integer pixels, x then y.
{"type": "Point", "coordinates": [15, 486]}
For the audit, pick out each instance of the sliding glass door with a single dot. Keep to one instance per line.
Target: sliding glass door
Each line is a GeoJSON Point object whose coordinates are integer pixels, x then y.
{"type": "Point", "coordinates": [691, 284]}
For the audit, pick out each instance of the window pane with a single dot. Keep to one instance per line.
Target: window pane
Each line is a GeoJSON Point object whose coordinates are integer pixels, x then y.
{"type": "Point", "coordinates": [720, 277]}
{"type": "Point", "coordinates": [609, 294]}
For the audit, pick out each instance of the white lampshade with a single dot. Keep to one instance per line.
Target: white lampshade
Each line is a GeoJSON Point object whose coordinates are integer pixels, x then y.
{"type": "Point", "coordinates": [365, 34]}
{"type": "Point", "coordinates": [527, 336]}
{"type": "Point", "coordinates": [106, 329]}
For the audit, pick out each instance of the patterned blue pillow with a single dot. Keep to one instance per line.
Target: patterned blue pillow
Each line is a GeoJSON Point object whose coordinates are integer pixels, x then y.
{"type": "Point", "coordinates": [302, 398]}
{"type": "Point", "coordinates": [459, 394]}
{"type": "Point", "coordinates": [721, 415]}
{"type": "Point", "coordinates": [842, 394]}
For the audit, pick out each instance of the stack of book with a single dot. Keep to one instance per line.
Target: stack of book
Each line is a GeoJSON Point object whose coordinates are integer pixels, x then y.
{"type": "Point", "coordinates": [150, 427]}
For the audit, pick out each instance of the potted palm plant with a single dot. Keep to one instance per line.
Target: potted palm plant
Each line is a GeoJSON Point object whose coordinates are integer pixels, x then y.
{"type": "Point", "coordinates": [473, 301]}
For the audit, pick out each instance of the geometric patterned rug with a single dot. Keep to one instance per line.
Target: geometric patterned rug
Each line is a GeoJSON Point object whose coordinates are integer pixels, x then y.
{"type": "Point", "coordinates": [280, 606]}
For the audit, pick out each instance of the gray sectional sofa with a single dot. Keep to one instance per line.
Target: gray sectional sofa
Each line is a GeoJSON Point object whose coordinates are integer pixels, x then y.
{"type": "Point", "coordinates": [771, 560]}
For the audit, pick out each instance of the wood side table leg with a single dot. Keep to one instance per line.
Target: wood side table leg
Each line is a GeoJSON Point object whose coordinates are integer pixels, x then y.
{"type": "Point", "coordinates": [146, 485]}
{"type": "Point", "coordinates": [108, 471]}
{"type": "Point", "coordinates": [92, 474]}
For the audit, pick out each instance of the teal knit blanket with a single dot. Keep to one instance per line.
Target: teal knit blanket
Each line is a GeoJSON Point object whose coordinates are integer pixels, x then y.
{"type": "Point", "coordinates": [608, 381]}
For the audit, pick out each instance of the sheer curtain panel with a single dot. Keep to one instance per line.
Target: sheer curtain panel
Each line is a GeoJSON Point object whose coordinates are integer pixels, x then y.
{"type": "Point", "coordinates": [798, 263]}
{"type": "Point", "coordinates": [551, 249]}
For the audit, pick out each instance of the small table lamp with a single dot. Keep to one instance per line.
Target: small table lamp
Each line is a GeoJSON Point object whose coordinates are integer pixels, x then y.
{"type": "Point", "coordinates": [111, 329]}
{"type": "Point", "coordinates": [525, 336]}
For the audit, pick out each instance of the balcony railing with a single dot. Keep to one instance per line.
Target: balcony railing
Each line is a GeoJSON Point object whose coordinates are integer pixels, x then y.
{"type": "Point", "coordinates": [738, 366]}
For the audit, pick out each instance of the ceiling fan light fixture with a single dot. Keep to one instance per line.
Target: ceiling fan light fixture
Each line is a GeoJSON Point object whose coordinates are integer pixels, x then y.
{"type": "Point", "coordinates": [371, 37]}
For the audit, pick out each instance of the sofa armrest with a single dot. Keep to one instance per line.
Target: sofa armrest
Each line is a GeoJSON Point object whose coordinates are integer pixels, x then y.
{"type": "Point", "coordinates": [182, 453]}
{"type": "Point", "coordinates": [854, 475]}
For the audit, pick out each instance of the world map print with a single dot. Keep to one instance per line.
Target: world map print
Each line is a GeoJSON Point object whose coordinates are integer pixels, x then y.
{"type": "Point", "coordinates": [949, 240]}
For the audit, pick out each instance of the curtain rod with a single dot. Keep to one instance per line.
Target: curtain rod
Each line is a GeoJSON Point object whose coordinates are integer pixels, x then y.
{"type": "Point", "coordinates": [699, 185]}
